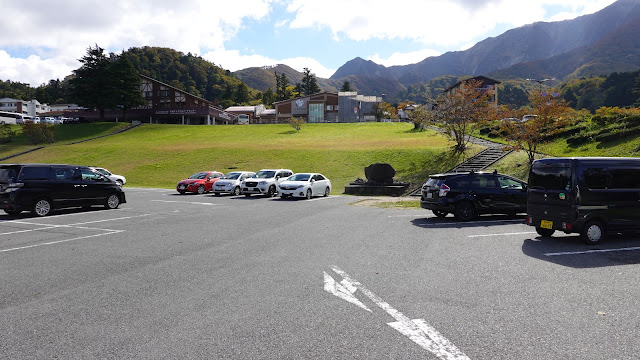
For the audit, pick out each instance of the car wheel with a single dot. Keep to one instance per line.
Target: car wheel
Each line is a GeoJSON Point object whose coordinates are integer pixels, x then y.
{"type": "Point", "coordinates": [112, 202]}
{"type": "Point", "coordinates": [236, 191]}
{"type": "Point", "coordinates": [12, 212]}
{"type": "Point", "coordinates": [439, 213]}
{"type": "Point", "coordinates": [465, 211]}
{"type": "Point", "coordinates": [544, 232]}
{"type": "Point", "coordinates": [119, 182]}
{"type": "Point", "coordinates": [592, 233]}
{"type": "Point", "coordinates": [326, 192]}
{"type": "Point", "coordinates": [272, 191]}
{"type": "Point", "coordinates": [42, 207]}
{"type": "Point", "coordinates": [201, 189]}
{"type": "Point", "coordinates": [309, 195]}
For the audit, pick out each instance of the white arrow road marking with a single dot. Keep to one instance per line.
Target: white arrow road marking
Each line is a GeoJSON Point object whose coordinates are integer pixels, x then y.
{"type": "Point", "coordinates": [419, 331]}
{"type": "Point", "coordinates": [341, 291]}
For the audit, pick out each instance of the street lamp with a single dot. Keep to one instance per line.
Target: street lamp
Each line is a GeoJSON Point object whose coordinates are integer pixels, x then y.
{"type": "Point", "coordinates": [541, 81]}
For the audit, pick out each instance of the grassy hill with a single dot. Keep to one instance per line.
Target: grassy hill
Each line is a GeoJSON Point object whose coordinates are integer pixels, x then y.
{"type": "Point", "coordinates": [161, 155]}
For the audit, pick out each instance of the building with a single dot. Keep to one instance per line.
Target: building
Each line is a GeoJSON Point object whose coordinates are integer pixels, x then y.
{"type": "Point", "coordinates": [252, 112]}
{"type": "Point", "coordinates": [32, 107]}
{"type": "Point", "coordinates": [486, 84]}
{"type": "Point", "coordinates": [316, 108]}
{"type": "Point", "coordinates": [165, 104]}
{"type": "Point", "coordinates": [328, 107]}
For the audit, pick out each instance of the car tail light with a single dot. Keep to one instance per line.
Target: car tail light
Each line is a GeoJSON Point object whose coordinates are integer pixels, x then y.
{"type": "Point", "coordinates": [444, 189]}
{"type": "Point", "coordinates": [529, 220]}
{"type": "Point", "coordinates": [566, 226]}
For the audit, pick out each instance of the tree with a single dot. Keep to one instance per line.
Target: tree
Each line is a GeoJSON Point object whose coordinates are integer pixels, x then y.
{"type": "Point", "coordinates": [281, 86]}
{"type": "Point", "coordinates": [268, 97]}
{"type": "Point", "coordinates": [421, 117]}
{"type": "Point", "coordinates": [296, 123]}
{"type": "Point", "coordinates": [384, 110]}
{"type": "Point", "coordinates": [90, 86]}
{"type": "Point", "coordinates": [242, 93]}
{"type": "Point", "coordinates": [309, 84]}
{"type": "Point", "coordinates": [346, 86]}
{"type": "Point", "coordinates": [529, 135]}
{"type": "Point", "coordinates": [460, 109]}
{"type": "Point", "coordinates": [125, 84]}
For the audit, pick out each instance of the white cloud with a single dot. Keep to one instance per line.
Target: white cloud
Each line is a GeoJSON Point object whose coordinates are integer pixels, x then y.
{"type": "Point", "coordinates": [34, 70]}
{"type": "Point", "coordinates": [435, 22]}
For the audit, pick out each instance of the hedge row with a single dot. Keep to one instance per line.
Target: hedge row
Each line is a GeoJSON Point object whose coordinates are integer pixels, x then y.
{"type": "Point", "coordinates": [608, 134]}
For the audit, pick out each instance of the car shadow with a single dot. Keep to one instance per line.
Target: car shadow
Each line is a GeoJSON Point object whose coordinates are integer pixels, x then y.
{"type": "Point", "coordinates": [570, 251]}
{"type": "Point", "coordinates": [448, 222]}
{"type": "Point", "coordinates": [66, 211]}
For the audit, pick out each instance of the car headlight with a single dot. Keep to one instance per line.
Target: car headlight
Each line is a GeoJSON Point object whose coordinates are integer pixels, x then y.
{"type": "Point", "coordinates": [300, 186]}
{"type": "Point", "coordinates": [262, 183]}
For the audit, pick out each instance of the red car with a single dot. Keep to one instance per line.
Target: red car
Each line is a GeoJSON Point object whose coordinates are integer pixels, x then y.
{"type": "Point", "coordinates": [199, 182]}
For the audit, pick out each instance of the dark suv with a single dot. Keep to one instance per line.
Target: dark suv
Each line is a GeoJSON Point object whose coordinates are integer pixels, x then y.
{"type": "Point", "coordinates": [41, 188]}
{"type": "Point", "coordinates": [468, 194]}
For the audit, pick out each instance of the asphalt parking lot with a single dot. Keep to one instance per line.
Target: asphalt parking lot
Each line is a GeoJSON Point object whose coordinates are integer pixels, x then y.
{"type": "Point", "coordinates": [202, 277]}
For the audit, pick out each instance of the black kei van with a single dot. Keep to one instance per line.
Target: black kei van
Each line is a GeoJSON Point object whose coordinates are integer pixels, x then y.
{"type": "Point", "coordinates": [589, 196]}
{"type": "Point", "coordinates": [41, 188]}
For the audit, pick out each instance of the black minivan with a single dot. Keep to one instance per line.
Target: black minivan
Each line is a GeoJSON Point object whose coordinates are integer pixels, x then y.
{"type": "Point", "coordinates": [589, 196]}
{"type": "Point", "coordinates": [40, 188]}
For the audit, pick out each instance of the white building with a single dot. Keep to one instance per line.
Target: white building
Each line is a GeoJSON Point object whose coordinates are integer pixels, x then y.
{"type": "Point", "coordinates": [31, 107]}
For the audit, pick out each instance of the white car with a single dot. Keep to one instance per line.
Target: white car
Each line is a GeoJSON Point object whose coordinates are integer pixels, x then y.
{"type": "Point", "coordinates": [306, 185]}
{"type": "Point", "coordinates": [119, 179]}
{"type": "Point", "coordinates": [231, 183]}
{"type": "Point", "coordinates": [265, 182]}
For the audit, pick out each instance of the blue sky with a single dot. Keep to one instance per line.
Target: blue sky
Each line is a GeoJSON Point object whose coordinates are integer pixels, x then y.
{"type": "Point", "coordinates": [43, 39]}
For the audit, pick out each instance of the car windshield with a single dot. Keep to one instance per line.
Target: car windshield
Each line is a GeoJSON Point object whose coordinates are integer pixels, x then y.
{"type": "Point", "coordinates": [265, 174]}
{"type": "Point", "coordinates": [232, 175]}
{"type": "Point", "coordinates": [299, 177]}
{"type": "Point", "coordinates": [550, 178]}
{"type": "Point", "coordinates": [200, 175]}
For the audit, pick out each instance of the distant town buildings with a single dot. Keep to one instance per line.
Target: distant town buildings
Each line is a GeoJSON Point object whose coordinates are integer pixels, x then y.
{"type": "Point", "coordinates": [328, 107]}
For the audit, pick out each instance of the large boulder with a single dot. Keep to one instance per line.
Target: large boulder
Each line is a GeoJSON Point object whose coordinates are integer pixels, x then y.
{"type": "Point", "coordinates": [380, 173]}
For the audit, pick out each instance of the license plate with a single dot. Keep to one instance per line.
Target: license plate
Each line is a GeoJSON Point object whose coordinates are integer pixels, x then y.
{"type": "Point", "coordinates": [546, 224]}
{"type": "Point", "coordinates": [182, 187]}
{"type": "Point", "coordinates": [429, 195]}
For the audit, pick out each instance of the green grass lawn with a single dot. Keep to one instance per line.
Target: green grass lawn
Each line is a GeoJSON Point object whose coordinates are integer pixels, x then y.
{"type": "Point", "coordinates": [161, 155]}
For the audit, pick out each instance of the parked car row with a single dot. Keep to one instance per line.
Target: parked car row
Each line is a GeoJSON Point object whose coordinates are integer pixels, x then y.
{"type": "Point", "coordinates": [266, 182]}
{"type": "Point", "coordinates": [589, 196]}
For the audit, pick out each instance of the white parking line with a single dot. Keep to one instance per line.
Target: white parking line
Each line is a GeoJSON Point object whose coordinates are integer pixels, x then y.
{"type": "Point", "coordinates": [503, 234]}
{"type": "Point", "coordinates": [188, 202]}
{"type": "Point", "coordinates": [60, 241]}
{"type": "Point", "coordinates": [591, 251]}
{"type": "Point", "coordinates": [75, 226]}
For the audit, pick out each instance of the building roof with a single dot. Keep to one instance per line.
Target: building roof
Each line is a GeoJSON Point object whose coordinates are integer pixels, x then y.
{"type": "Point", "coordinates": [306, 96]}
{"type": "Point", "coordinates": [483, 79]}
{"type": "Point", "coordinates": [180, 90]}
{"type": "Point", "coordinates": [268, 112]}
{"type": "Point", "coordinates": [241, 108]}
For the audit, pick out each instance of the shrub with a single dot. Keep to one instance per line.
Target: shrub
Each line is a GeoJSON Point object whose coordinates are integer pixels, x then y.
{"type": "Point", "coordinates": [7, 133]}
{"type": "Point", "coordinates": [296, 123]}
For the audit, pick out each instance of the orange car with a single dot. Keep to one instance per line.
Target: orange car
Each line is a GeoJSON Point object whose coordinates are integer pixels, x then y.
{"type": "Point", "coordinates": [200, 182]}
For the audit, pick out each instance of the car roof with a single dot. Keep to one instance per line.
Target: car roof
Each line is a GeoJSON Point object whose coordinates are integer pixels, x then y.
{"type": "Point", "coordinates": [466, 173]}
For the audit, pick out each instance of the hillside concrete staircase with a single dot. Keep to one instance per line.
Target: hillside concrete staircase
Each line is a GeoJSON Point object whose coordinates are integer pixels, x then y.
{"type": "Point", "coordinates": [481, 161]}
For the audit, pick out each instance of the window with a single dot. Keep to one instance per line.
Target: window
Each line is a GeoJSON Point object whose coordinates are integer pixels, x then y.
{"type": "Point", "coordinates": [596, 178]}
{"type": "Point", "coordinates": [550, 178]}
{"type": "Point", "coordinates": [507, 183]}
{"type": "Point", "coordinates": [329, 107]}
{"type": "Point", "coordinates": [34, 173]}
{"type": "Point", "coordinates": [625, 178]}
